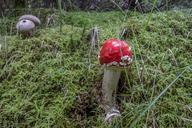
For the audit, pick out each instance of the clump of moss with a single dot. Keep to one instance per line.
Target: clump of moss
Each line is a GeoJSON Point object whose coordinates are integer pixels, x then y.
{"type": "Point", "coordinates": [41, 77]}
{"type": "Point", "coordinates": [45, 77]}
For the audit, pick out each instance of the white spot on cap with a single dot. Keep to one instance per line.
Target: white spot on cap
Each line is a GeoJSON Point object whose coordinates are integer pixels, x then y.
{"type": "Point", "coordinates": [115, 44]}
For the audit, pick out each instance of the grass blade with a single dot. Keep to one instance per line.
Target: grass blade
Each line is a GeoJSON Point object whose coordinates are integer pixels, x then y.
{"type": "Point", "coordinates": [157, 98]}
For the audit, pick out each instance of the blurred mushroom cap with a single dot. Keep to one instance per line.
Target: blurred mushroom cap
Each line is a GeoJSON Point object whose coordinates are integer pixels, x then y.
{"type": "Point", "coordinates": [25, 25]}
{"type": "Point", "coordinates": [33, 18]}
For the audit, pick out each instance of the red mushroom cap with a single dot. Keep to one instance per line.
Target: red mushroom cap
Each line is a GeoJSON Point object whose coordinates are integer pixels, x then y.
{"type": "Point", "coordinates": [115, 52]}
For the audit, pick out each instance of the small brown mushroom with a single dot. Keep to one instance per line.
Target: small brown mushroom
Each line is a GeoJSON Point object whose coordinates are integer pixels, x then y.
{"type": "Point", "coordinates": [26, 25]}
{"type": "Point", "coordinates": [32, 18]}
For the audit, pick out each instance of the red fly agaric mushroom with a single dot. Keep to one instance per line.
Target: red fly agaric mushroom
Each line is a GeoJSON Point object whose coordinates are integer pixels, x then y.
{"type": "Point", "coordinates": [114, 55]}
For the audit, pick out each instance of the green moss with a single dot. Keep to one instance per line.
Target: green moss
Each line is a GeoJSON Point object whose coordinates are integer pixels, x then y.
{"type": "Point", "coordinates": [42, 78]}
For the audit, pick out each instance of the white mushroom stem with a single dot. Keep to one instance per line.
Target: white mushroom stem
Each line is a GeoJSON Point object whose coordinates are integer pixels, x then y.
{"type": "Point", "coordinates": [109, 86]}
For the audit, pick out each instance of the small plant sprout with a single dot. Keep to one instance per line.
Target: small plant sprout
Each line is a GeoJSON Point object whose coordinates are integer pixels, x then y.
{"type": "Point", "coordinates": [26, 25]}
{"type": "Point", "coordinates": [93, 37]}
{"type": "Point", "coordinates": [115, 54]}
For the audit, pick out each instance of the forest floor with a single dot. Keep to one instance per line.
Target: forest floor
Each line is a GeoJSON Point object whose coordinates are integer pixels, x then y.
{"type": "Point", "coordinates": [53, 79]}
